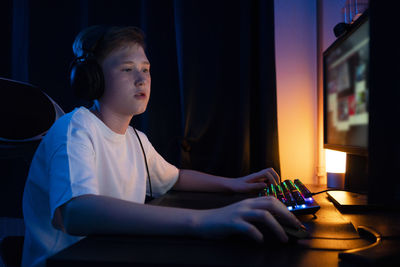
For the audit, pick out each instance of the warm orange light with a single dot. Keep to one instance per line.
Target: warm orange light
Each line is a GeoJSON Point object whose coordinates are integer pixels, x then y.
{"type": "Point", "coordinates": [335, 161]}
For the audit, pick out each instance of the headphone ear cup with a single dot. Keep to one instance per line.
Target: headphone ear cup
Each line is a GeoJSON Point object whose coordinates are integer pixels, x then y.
{"type": "Point", "coordinates": [87, 79]}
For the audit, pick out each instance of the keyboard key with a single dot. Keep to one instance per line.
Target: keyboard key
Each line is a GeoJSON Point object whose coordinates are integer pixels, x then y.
{"type": "Point", "coordinates": [280, 194]}
{"type": "Point", "coordinates": [303, 189]}
{"type": "Point", "coordinates": [271, 190]}
{"type": "Point", "coordinates": [298, 197]}
{"type": "Point", "coordinates": [290, 185]}
{"type": "Point", "coordinates": [288, 196]}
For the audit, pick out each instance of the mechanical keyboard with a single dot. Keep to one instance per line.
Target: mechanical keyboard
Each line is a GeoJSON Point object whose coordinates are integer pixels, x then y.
{"type": "Point", "coordinates": [295, 195]}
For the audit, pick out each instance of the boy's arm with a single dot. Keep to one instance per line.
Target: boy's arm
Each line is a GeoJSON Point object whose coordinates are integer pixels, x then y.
{"type": "Point", "coordinates": [190, 180]}
{"type": "Point", "coordinates": [92, 214]}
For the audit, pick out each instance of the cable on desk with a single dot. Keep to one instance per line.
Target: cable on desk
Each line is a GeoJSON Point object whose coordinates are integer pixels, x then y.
{"type": "Point", "coordinates": [323, 249]}
{"type": "Point", "coordinates": [367, 232]}
{"type": "Point", "coordinates": [370, 234]}
{"type": "Point", "coordinates": [334, 189]}
{"type": "Point", "coordinates": [333, 238]}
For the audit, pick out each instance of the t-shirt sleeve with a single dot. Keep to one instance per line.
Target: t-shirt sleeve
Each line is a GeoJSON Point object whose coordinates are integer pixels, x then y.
{"type": "Point", "coordinates": [72, 173]}
{"type": "Point", "coordinates": [163, 175]}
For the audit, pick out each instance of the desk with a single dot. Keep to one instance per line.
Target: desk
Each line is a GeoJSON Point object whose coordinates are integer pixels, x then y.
{"type": "Point", "coordinates": [187, 251]}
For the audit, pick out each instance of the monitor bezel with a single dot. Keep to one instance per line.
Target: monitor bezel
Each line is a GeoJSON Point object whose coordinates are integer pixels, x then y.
{"type": "Point", "coordinates": [356, 150]}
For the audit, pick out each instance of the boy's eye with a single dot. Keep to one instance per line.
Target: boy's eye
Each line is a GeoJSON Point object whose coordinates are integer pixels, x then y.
{"type": "Point", "coordinates": [146, 70]}
{"type": "Point", "coordinates": [127, 69]}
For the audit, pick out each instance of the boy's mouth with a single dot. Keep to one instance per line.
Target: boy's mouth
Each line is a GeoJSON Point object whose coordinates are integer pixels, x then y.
{"type": "Point", "coordinates": [140, 95]}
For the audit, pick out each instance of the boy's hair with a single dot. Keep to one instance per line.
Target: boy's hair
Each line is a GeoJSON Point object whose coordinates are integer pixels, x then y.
{"type": "Point", "coordinates": [99, 40]}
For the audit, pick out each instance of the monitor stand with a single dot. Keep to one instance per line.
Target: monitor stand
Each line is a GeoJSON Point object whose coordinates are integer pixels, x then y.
{"type": "Point", "coordinates": [356, 180]}
{"type": "Point", "coordinates": [348, 201]}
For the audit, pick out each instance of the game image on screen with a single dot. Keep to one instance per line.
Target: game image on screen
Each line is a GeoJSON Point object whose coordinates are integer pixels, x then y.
{"type": "Point", "coordinates": [346, 79]}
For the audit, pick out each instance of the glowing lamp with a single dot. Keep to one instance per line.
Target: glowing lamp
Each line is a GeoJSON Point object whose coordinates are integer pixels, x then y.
{"type": "Point", "coordinates": [335, 168]}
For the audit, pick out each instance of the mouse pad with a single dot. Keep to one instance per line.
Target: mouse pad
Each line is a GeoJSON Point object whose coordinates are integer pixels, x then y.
{"type": "Point", "coordinates": [332, 230]}
{"type": "Point", "coordinates": [332, 236]}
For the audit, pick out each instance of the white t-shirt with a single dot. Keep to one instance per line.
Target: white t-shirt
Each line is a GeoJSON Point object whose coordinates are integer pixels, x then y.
{"type": "Point", "coordinates": [80, 155]}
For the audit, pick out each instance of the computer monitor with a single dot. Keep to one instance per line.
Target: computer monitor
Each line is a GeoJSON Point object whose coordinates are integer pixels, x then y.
{"type": "Point", "coordinates": [346, 101]}
{"type": "Point", "coordinates": [346, 91]}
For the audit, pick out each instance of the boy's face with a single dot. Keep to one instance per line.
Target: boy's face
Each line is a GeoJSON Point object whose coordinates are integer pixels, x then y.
{"type": "Point", "coordinates": [127, 80]}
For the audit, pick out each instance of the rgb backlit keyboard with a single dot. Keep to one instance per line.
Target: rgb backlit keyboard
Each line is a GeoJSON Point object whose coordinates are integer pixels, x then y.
{"type": "Point", "coordinates": [295, 195]}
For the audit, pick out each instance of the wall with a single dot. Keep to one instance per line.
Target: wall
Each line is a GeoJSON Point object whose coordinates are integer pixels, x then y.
{"type": "Point", "coordinates": [329, 14]}
{"type": "Point", "coordinates": [303, 30]}
{"type": "Point", "coordinates": [296, 70]}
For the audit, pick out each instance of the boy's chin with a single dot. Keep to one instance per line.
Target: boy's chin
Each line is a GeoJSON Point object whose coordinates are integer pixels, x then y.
{"type": "Point", "coordinates": [139, 111]}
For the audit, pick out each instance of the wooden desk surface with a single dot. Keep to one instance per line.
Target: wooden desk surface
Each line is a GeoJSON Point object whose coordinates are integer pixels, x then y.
{"type": "Point", "coordinates": [327, 225]}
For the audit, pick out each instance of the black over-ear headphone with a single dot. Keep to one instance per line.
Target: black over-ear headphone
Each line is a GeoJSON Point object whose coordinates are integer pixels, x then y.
{"type": "Point", "coordinates": [86, 74]}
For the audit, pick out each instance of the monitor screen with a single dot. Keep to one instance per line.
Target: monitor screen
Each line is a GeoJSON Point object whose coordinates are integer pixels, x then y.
{"type": "Point", "coordinates": [346, 84]}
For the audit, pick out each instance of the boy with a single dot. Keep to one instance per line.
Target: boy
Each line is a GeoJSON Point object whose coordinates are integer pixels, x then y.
{"type": "Point", "coordinates": [88, 175]}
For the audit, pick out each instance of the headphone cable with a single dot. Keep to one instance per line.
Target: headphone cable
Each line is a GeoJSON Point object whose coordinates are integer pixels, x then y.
{"type": "Point", "coordinates": [145, 161]}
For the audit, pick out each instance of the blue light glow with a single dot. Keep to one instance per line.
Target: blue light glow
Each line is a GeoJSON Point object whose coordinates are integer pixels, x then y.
{"type": "Point", "coordinates": [290, 208]}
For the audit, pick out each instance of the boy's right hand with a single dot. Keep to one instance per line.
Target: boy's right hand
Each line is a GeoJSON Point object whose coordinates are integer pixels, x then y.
{"type": "Point", "coordinates": [239, 218]}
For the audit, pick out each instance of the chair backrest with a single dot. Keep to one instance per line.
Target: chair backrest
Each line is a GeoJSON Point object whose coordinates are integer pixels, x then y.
{"type": "Point", "coordinates": [26, 114]}
{"type": "Point", "coordinates": [11, 250]}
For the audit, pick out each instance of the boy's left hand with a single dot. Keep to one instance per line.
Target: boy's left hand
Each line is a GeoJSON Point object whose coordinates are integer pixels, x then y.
{"type": "Point", "coordinates": [255, 182]}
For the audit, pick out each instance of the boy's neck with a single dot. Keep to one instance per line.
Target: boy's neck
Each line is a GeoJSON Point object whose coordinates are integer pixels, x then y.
{"type": "Point", "coordinates": [116, 122]}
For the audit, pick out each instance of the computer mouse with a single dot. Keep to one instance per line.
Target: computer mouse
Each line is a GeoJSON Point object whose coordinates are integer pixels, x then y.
{"type": "Point", "coordinates": [295, 233]}
{"type": "Point", "coordinates": [292, 232]}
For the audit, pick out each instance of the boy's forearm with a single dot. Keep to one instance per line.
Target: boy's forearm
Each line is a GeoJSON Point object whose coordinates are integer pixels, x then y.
{"type": "Point", "coordinates": [91, 214]}
{"type": "Point", "coordinates": [190, 180]}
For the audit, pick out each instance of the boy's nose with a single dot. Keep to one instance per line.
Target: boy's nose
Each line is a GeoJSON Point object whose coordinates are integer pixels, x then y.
{"type": "Point", "coordinates": [139, 83]}
{"type": "Point", "coordinates": [140, 80]}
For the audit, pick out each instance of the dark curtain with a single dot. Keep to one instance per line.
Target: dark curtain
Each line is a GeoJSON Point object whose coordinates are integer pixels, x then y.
{"type": "Point", "coordinates": [213, 103]}
{"type": "Point", "coordinates": [384, 144]}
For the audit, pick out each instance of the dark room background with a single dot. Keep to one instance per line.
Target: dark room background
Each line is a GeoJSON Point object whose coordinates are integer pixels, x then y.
{"type": "Point", "coordinates": [213, 102]}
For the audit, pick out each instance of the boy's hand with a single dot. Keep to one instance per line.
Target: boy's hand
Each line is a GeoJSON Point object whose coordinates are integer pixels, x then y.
{"type": "Point", "coordinates": [255, 181]}
{"type": "Point", "coordinates": [239, 219]}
